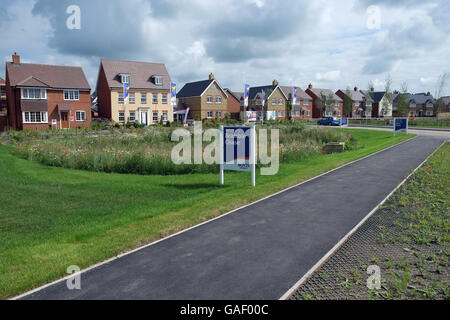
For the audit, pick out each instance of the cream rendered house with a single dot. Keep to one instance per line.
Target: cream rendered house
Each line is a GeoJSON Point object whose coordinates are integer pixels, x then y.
{"type": "Point", "coordinates": [149, 92]}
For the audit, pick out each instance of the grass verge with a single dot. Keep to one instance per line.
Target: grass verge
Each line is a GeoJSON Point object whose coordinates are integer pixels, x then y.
{"type": "Point", "coordinates": [53, 217]}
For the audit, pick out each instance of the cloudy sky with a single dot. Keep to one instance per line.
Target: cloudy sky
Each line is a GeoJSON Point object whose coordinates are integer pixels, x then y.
{"type": "Point", "coordinates": [331, 44]}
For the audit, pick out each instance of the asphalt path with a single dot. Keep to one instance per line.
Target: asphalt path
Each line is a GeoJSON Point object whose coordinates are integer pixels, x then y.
{"type": "Point", "coordinates": [259, 251]}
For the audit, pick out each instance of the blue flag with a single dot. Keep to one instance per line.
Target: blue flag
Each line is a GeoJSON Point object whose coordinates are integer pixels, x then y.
{"type": "Point", "coordinates": [126, 89]}
{"type": "Point", "coordinates": [294, 95]}
{"type": "Point", "coordinates": [173, 94]}
{"type": "Point", "coordinates": [246, 94]}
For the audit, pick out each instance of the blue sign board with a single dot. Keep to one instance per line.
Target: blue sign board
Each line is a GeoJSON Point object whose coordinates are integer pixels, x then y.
{"type": "Point", "coordinates": [236, 148]}
{"type": "Point", "coordinates": [344, 122]}
{"type": "Point", "coordinates": [401, 125]}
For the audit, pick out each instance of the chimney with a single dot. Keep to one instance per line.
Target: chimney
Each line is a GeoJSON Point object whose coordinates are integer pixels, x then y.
{"type": "Point", "coordinates": [355, 88]}
{"type": "Point", "coordinates": [274, 82]}
{"type": "Point", "coordinates": [372, 89]}
{"type": "Point", "coordinates": [15, 58]}
{"type": "Point", "coordinates": [428, 93]}
{"type": "Point", "coordinates": [211, 76]}
{"type": "Point", "coordinates": [310, 86]}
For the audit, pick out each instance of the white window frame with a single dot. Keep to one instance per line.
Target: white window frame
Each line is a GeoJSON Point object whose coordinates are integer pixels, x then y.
{"type": "Point", "coordinates": [72, 95]}
{"type": "Point", "coordinates": [122, 116]}
{"type": "Point", "coordinates": [79, 113]}
{"type": "Point", "coordinates": [130, 99]}
{"type": "Point", "coordinates": [155, 98]}
{"type": "Point", "coordinates": [280, 114]}
{"type": "Point", "coordinates": [306, 102]}
{"type": "Point", "coordinates": [164, 98]}
{"type": "Point", "coordinates": [209, 99]}
{"type": "Point", "coordinates": [280, 102]}
{"type": "Point", "coordinates": [132, 116]}
{"type": "Point", "coordinates": [412, 105]}
{"type": "Point", "coordinates": [209, 114]}
{"type": "Point", "coordinates": [42, 114]}
{"type": "Point", "coordinates": [158, 80]}
{"type": "Point", "coordinates": [274, 101]}
{"type": "Point", "coordinates": [429, 105]}
{"type": "Point", "coordinates": [143, 98]}
{"type": "Point", "coordinates": [42, 95]}
{"type": "Point", "coordinates": [218, 114]}
{"type": "Point", "coordinates": [153, 116]}
{"type": "Point", "coordinates": [125, 78]}
{"type": "Point", "coordinates": [120, 98]}
{"type": "Point", "coordinates": [218, 99]}
{"type": "Point", "coordinates": [429, 113]}
{"type": "Point", "coordinates": [165, 116]}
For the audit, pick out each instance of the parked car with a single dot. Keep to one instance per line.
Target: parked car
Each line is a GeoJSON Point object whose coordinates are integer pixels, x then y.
{"type": "Point", "coordinates": [328, 121]}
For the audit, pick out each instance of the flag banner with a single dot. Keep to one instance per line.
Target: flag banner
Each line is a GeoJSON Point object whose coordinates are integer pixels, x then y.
{"type": "Point", "coordinates": [263, 97]}
{"type": "Point", "coordinates": [294, 95]}
{"type": "Point", "coordinates": [250, 115]}
{"type": "Point", "coordinates": [126, 89]}
{"type": "Point", "coordinates": [186, 115]}
{"type": "Point", "coordinates": [246, 94]}
{"type": "Point", "coordinates": [173, 94]}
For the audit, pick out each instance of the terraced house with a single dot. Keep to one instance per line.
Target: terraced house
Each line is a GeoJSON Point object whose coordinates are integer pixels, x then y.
{"type": "Point", "coordinates": [275, 101]}
{"type": "Point", "coordinates": [46, 96]}
{"type": "Point", "coordinates": [149, 92]}
{"type": "Point", "coordinates": [302, 108]}
{"type": "Point", "coordinates": [206, 99]}
{"type": "Point", "coordinates": [325, 102]}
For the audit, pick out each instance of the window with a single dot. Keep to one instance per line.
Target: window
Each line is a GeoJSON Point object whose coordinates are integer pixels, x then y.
{"type": "Point", "coordinates": [274, 101]}
{"type": "Point", "coordinates": [164, 98]}
{"type": "Point", "coordinates": [80, 115]}
{"type": "Point", "coordinates": [155, 116]}
{"type": "Point", "coordinates": [143, 98]}
{"type": "Point", "coordinates": [337, 103]}
{"type": "Point", "coordinates": [132, 97]}
{"type": "Point", "coordinates": [280, 102]}
{"type": "Point", "coordinates": [121, 116]}
{"type": "Point", "coordinates": [429, 105]}
{"type": "Point", "coordinates": [155, 98]}
{"type": "Point", "coordinates": [306, 102]}
{"type": "Point", "coordinates": [218, 114]}
{"type": "Point", "coordinates": [159, 80]}
{"type": "Point", "coordinates": [71, 95]}
{"type": "Point", "coordinates": [429, 113]}
{"type": "Point", "coordinates": [125, 78]}
{"type": "Point", "coordinates": [308, 113]}
{"type": "Point", "coordinates": [412, 105]}
{"type": "Point", "coordinates": [164, 116]}
{"type": "Point", "coordinates": [297, 113]}
{"type": "Point", "coordinates": [280, 113]}
{"type": "Point", "coordinates": [35, 117]}
{"type": "Point", "coordinates": [209, 99]}
{"type": "Point", "coordinates": [120, 97]}
{"type": "Point", "coordinates": [218, 99]}
{"type": "Point", "coordinates": [209, 114]}
{"type": "Point", "coordinates": [32, 93]}
{"type": "Point", "coordinates": [132, 116]}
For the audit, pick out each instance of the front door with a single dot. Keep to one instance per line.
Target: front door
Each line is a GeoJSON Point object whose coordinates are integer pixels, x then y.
{"type": "Point", "coordinates": [64, 119]}
{"type": "Point", "coordinates": [144, 118]}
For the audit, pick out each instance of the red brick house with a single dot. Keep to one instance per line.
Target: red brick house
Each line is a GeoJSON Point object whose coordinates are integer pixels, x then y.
{"type": "Point", "coordinates": [302, 108]}
{"type": "Point", "coordinates": [46, 96]}
{"type": "Point", "coordinates": [234, 103]}
{"type": "Point", "coordinates": [3, 105]}
{"type": "Point", "coordinates": [360, 109]}
{"type": "Point", "coordinates": [332, 106]}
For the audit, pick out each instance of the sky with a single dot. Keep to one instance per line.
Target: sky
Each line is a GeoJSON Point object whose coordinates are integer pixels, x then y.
{"type": "Point", "coordinates": [331, 44]}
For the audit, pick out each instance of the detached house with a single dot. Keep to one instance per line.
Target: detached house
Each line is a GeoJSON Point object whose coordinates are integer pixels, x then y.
{"type": "Point", "coordinates": [358, 100]}
{"type": "Point", "coordinates": [325, 102]}
{"type": "Point", "coordinates": [45, 96]}
{"type": "Point", "coordinates": [205, 99]}
{"type": "Point", "coordinates": [421, 105]}
{"type": "Point", "coordinates": [275, 101]}
{"type": "Point", "coordinates": [446, 104]}
{"type": "Point", "coordinates": [302, 108]}
{"type": "Point", "coordinates": [148, 95]}
{"type": "Point", "coordinates": [382, 106]}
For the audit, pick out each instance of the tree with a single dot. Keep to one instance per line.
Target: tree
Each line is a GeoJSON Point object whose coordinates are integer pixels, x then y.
{"type": "Point", "coordinates": [386, 102]}
{"type": "Point", "coordinates": [438, 94]}
{"type": "Point", "coordinates": [348, 102]}
{"type": "Point", "coordinates": [403, 101]}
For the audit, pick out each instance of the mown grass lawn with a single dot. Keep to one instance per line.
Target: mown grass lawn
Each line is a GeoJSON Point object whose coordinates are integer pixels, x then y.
{"type": "Point", "coordinates": [52, 218]}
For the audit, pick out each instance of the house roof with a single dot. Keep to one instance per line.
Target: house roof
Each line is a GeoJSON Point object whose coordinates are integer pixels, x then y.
{"type": "Point", "coordinates": [355, 95]}
{"type": "Point", "coordinates": [318, 92]}
{"type": "Point", "coordinates": [237, 95]}
{"type": "Point", "coordinates": [421, 98]}
{"type": "Point", "coordinates": [194, 89]}
{"type": "Point", "coordinates": [141, 74]}
{"type": "Point", "coordinates": [2, 81]}
{"type": "Point", "coordinates": [287, 90]}
{"type": "Point", "coordinates": [268, 90]}
{"type": "Point", "coordinates": [49, 76]}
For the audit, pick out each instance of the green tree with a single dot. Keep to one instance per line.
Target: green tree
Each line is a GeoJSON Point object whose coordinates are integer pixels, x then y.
{"type": "Point", "coordinates": [386, 103]}
{"type": "Point", "coordinates": [403, 101]}
{"type": "Point", "coordinates": [348, 102]}
{"type": "Point", "coordinates": [439, 104]}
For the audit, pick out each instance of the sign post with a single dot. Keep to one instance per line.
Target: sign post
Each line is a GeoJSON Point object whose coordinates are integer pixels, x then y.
{"type": "Point", "coordinates": [400, 125]}
{"type": "Point", "coordinates": [238, 150]}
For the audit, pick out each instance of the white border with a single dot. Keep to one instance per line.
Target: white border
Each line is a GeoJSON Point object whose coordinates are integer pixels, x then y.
{"type": "Point", "coordinates": [199, 225]}
{"type": "Point", "coordinates": [348, 235]}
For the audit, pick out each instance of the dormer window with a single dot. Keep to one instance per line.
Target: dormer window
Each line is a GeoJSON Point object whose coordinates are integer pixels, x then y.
{"type": "Point", "coordinates": [158, 80]}
{"type": "Point", "coordinates": [125, 78]}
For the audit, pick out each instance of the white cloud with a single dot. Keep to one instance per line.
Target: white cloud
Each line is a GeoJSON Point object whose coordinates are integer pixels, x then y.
{"type": "Point", "coordinates": [329, 76]}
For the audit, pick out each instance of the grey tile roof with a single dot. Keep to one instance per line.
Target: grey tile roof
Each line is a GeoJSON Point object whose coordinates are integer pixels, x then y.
{"type": "Point", "coordinates": [141, 74]}
{"type": "Point", "coordinates": [287, 90]}
{"type": "Point", "coordinates": [354, 95]}
{"type": "Point", "coordinates": [254, 91]}
{"type": "Point", "coordinates": [41, 75]}
{"type": "Point", "coordinates": [194, 89]}
{"type": "Point", "coordinates": [318, 92]}
{"type": "Point", "coordinates": [421, 98]}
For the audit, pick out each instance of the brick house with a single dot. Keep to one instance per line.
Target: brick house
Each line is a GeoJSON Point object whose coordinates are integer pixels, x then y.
{"type": "Point", "coordinates": [3, 105]}
{"type": "Point", "coordinates": [446, 106]}
{"type": "Point", "coordinates": [205, 99]}
{"type": "Point", "coordinates": [275, 100]}
{"type": "Point", "coordinates": [332, 106]}
{"type": "Point", "coordinates": [380, 99]}
{"type": "Point", "coordinates": [46, 96]}
{"type": "Point", "coordinates": [302, 109]}
{"type": "Point", "coordinates": [421, 105]}
{"type": "Point", "coordinates": [358, 100]}
{"type": "Point", "coordinates": [234, 103]}
{"type": "Point", "coordinates": [148, 99]}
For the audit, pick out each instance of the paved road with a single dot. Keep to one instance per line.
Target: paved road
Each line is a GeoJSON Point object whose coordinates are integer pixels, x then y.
{"type": "Point", "coordinates": [257, 252]}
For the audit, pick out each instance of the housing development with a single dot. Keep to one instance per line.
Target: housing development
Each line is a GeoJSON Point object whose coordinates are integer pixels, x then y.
{"type": "Point", "coordinates": [224, 156]}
